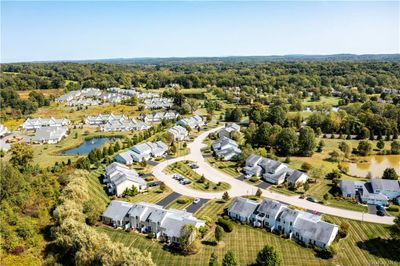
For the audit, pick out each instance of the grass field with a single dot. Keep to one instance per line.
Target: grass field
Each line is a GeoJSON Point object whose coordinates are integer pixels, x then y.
{"type": "Point", "coordinates": [229, 167]}
{"type": "Point", "coordinates": [96, 189]}
{"type": "Point", "coordinates": [183, 169]}
{"type": "Point", "coordinates": [177, 204]}
{"type": "Point", "coordinates": [324, 100]}
{"type": "Point", "coordinates": [153, 195]}
{"type": "Point", "coordinates": [360, 247]}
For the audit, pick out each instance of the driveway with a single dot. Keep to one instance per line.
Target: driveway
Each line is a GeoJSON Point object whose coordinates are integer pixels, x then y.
{"type": "Point", "coordinates": [240, 188]}
{"type": "Point", "coordinates": [372, 209]}
{"type": "Point", "coordinates": [195, 207]}
{"type": "Point", "coordinates": [168, 199]}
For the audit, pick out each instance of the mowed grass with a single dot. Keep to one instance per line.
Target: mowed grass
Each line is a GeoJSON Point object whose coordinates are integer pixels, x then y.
{"type": "Point", "coordinates": [183, 169]}
{"type": "Point", "coordinates": [324, 100]}
{"type": "Point", "coordinates": [96, 189]}
{"type": "Point", "coordinates": [180, 203]}
{"type": "Point", "coordinates": [360, 247]}
{"type": "Point", "coordinates": [228, 167]}
{"type": "Point", "coordinates": [153, 195]}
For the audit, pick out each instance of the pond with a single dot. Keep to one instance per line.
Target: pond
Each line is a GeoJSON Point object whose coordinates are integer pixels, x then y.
{"type": "Point", "coordinates": [87, 146]}
{"type": "Point", "coordinates": [375, 165]}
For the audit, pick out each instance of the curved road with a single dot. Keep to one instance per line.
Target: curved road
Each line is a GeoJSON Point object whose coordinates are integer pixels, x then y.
{"type": "Point", "coordinates": [240, 188]}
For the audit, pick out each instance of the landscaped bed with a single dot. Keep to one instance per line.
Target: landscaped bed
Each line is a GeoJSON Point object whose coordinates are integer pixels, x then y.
{"type": "Point", "coordinates": [198, 182]}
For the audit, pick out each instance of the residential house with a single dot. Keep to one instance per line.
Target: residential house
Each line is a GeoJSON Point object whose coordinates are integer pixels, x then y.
{"type": "Point", "coordinates": [49, 135]}
{"type": "Point", "coordinates": [180, 133]}
{"type": "Point", "coordinates": [35, 123]}
{"type": "Point", "coordinates": [226, 148]}
{"type": "Point", "coordinates": [3, 130]}
{"type": "Point", "coordinates": [192, 122]}
{"type": "Point", "coordinates": [124, 125]}
{"type": "Point", "coordinates": [83, 102]}
{"type": "Point", "coordinates": [157, 103]}
{"type": "Point", "coordinates": [116, 213]}
{"type": "Point", "coordinates": [119, 177]}
{"type": "Point", "coordinates": [103, 119]}
{"type": "Point", "coordinates": [166, 224]}
{"type": "Point", "coordinates": [242, 209]}
{"type": "Point", "coordinates": [270, 170]}
{"type": "Point", "coordinates": [140, 152]}
{"type": "Point", "coordinates": [302, 226]}
{"type": "Point", "coordinates": [374, 191]}
{"type": "Point", "coordinates": [296, 177]}
{"type": "Point", "coordinates": [228, 130]}
{"type": "Point", "coordinates": [159, 116]}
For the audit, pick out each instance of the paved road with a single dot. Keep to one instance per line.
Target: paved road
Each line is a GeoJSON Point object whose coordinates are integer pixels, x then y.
{"type": "Point", "coordinates": [168, 199]}
{"type": "Point", "coordinates": [240, 188]}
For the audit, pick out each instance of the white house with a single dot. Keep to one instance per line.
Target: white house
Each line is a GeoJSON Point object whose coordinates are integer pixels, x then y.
{"type": "Point", "coordinates": [159, 116]}
{"type": "Point", "coordinates": [35, 123]}
{"type": "Point", "coordinates": [270, 170]}
{"type": "Point", "coordinates": [49, 135]}
{"type": "Point", "coordinates": [119, 177]}
{"type": "Point", "coordinates": [226, 148]}
{"type": "Point", "coordinates": [276, 216]}
{"type": "Point", "coordinates": [157, 103]}
{"type": "Point", "coordinates": [179, 133]}
{"type": "Point", "coordinates": [116, 213]}
{"type": "Point", "coordinates": [192, 122]}
{"type": "Point", "coordinates": [374, 191]}
{"type": "Point", "coordinates": [228, 130]}
{"type": "Point", "coordinates": [166, 224]}
{"type": "Point", "coordinates": [296, 177]}
{"type": "Point", "coordinates": [140, 152]}
{"type": "Point", "coordinates": [3, 130]}
{"type": "Point", "coordinates": [102, 119]}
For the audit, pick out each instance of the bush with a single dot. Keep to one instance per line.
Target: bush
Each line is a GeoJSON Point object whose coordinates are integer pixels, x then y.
{"type": "Point", "coordinates": [254, 179]}
{"type": "Point", "coordinates": [182, 201]}
{"type": "Point", "coordinates": [393, 208]}
{"type": "Point", "coordinates": [225, 224]}
{"type": "Point", "coordinates": [149, 178]}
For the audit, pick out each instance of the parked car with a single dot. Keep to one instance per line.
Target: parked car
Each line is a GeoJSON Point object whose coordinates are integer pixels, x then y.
{"type": "Point", "coordinates": [380, 213]}
{"type": "Point", "coordinates": [380, 208]}
{"type": "Point", "coordinates": [312, 199]}
{"type": "Point", "coordinates": [247, 176]}
{"type": "Point", "coordinates": [196, 201]}
{"type": "Point", "coordinates": [193, 166]}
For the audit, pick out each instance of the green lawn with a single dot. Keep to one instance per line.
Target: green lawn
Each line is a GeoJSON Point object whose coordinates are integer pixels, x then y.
{"type": "Point", "coordinates": [212, 209]}
{"type": "Point", "coordinates": [282, 190]}
{"type": "Point", "coordinates": [96, 189]}
{"type": "Point", "coordinates": [153, 195]}
{"type": "Point", "coordinates": [176, 204]}
{"type": "Point", "coordinates": [324, 100]}
{"type": "Point", "coordinates": [359, 248]}
{"type": "Point", "coordinates": [229, 167]}
{"type": "Point", "coordinates": [183, 169]}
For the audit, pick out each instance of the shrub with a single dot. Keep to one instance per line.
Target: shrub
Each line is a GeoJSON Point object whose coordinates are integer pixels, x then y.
{"type": "Point", "coordinates": [149, 178]}
{"type": "Point", "coordinates": [182, 201]}
{"type": "Point", "coordinates": [254, 179]}
{"type": "Point", "coordinates": [393, 208]}
{"type": "Point", "coordinates": [225, 224]}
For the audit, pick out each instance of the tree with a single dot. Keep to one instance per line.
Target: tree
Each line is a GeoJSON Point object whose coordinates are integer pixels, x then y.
{"type": "Point", "coordinates": [162, 186]}
{"type": "Point", "coordinates": [364, 147]}
{"type": "Point", "coordinates": [345, 147]}
{"type": "Point", "coordinates": [286, 142]}
{"type": "Point", "coordinates": [188, 241]}
{"type": "Point", "coordinates": [229, 259]}
{"type": "Point", "coordinates": [307, 142]}
{"type": "Point", "coordinates": [258, 193]}
{"type": "Point", "coordinates": [306, 186]}
{"type": "Point", "coordinates": [390, 173]}
{"type": "Point", "coordinates": [213, 260]}
{"type": "Point", "coordinates": [277, 115]}
{"type": "Point", "coordinates": [306, 167]}
{"type": "Point", "coordinates": [21, 154]}
{"type": "Point", "coordinates": [219, 232]}
{"type": "Point", "coordinates": [268, 256]}
{"type": "Point", "coordinates": [225, 196]}
{"type": "Point", "coordinates": [395, 228]}
{"type": "Point", "coordinates": [380, 144]}
{"type": "Point", "coordinates": [395, 147]}
{"type": "Point", "coordinates": [321, 145]}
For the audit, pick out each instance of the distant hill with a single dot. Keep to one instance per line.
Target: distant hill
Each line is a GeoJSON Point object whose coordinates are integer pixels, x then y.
{"type": "Point", "coordinates": [247, 59]}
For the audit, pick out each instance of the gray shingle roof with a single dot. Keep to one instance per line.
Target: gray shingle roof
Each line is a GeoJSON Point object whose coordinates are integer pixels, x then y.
{"type": "Point", "coordinates": [243, 207]}
{"type": "Point", "coordinates": [117, 210]}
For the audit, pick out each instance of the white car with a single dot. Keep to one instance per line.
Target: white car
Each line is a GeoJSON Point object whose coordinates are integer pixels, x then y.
{"type": "Point", "coordinates": [196, 201]}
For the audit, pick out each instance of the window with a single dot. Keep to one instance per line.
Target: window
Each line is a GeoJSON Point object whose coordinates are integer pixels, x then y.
{"type": "Point", "coordinates": [291, 223]}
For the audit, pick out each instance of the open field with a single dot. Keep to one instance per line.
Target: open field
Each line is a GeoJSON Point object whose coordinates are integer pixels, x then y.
{"type": "Point", "coordinates": [324, 100]}
{"type": "Point", "coordinates": [153, 195]}
{"type": "Point", "coordinates": [183, 169]}
{"type": "Point", "coordinates": [46, 92]}
{"type": "Point", "coordinates": [229, 167]}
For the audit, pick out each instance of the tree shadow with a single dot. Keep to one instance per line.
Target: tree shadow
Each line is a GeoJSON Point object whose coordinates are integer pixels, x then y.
{"type": "Point", "coordinates": [384, 248]}
{"type": "Point", "coordinates": [209, 242]}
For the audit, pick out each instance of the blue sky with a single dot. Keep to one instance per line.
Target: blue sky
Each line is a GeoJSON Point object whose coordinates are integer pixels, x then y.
{"type": "Point", "coordinates": [35, 30]}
